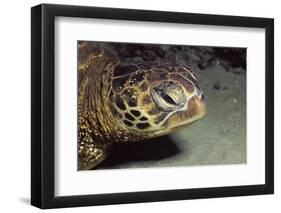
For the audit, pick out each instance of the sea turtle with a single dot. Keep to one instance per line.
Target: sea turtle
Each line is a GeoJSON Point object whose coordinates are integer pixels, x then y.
{"type": "Point", "coordinates": [122, 102]}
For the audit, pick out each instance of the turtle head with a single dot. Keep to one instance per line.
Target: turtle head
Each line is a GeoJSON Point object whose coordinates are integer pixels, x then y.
{"type": "Point", "coordinates": [157, 98]}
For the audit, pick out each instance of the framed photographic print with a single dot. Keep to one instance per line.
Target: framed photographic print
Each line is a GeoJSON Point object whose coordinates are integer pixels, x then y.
{"type": "Point", "coordinates": [140, 106]}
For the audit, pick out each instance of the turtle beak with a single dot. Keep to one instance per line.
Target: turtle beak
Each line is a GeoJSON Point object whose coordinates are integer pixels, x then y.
{"type": "Point", "coordinates": [201, 97]}
{"type": "Point", "coordinates": [197, 107]}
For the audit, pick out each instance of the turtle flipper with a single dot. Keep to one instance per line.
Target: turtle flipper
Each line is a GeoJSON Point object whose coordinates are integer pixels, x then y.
{"type": "Point", "coordinates": [90, 155]}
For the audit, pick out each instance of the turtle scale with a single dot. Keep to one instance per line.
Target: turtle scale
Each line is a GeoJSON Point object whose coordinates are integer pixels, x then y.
{"type": "Point", "coordinates": [125, 69]}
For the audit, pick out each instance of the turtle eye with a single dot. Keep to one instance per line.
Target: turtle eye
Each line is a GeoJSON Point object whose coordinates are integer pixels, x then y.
{"type": "Point", "coordinates": [168, 96]}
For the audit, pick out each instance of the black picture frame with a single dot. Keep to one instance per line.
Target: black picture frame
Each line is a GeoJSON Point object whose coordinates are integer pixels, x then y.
{"type": "Point", "coordinates": [43, 111]}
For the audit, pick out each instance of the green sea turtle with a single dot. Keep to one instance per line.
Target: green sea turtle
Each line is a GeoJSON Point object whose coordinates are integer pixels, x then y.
{"type": "Point", "coordinates": [122, 102]}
